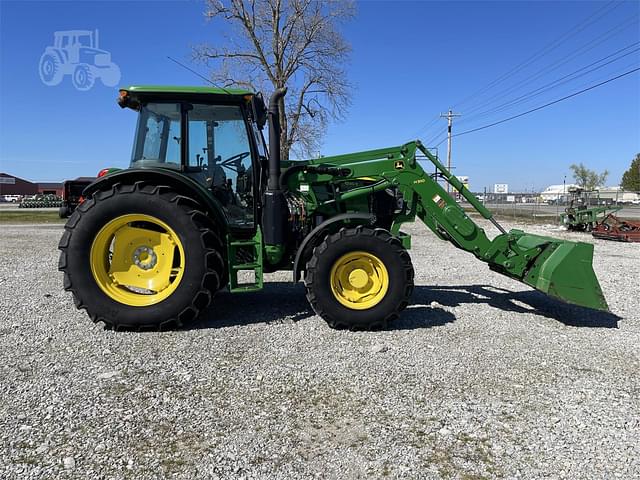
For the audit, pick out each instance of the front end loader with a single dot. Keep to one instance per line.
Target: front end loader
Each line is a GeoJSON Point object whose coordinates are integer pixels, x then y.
{"type": "Point", "coordinates": [206, 204]}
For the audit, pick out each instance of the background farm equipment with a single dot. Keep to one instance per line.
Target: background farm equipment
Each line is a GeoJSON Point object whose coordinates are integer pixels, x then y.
{"type": "Point", "coordinates": [72, 195]}
{"type": "Point", "coordinates": [202, 207]}
{"type": "Point", "coordinates": [584, 211]}
{"type": "Point", "coordinates": [76, 53]}
{"type": "Point", "coordinates": [41, 201]}
{"type": "Point", "coordinates": [614, 228]}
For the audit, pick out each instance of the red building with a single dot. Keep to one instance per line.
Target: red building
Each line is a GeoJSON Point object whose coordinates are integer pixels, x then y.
{"type": "Point", "coordinates": [53, 188]}
{"type": "Point", "coordinates": [11, 185]}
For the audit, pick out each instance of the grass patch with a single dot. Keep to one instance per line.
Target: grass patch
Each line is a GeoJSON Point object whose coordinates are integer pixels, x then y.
{"type": "Point", "coordinates": [26, 216]}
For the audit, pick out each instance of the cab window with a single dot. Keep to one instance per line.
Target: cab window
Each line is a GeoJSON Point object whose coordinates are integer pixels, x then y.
{"type": "Point", "coordinates": [157, 141]}
{"type": "Point", "coordinates": [219, 156]}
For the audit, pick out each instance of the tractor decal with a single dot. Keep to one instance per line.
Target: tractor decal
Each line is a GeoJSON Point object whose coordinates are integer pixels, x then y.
{"type": "Point", "coordinates": [76, 53]}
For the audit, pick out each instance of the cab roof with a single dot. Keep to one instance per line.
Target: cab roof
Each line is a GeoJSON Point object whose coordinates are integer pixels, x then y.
{"type": "Point", "coordinates": [185, 90]}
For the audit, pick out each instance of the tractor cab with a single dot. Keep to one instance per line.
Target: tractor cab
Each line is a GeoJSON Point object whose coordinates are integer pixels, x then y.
{"type": "Point", "coordinates": [77, 44]}
{"type": "Point", "coordinates": [210, 135]}
{"type": "Point", "coordinates": [70, 38]}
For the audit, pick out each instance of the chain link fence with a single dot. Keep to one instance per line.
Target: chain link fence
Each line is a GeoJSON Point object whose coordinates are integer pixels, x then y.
{"type": "Point", "coordinates": [533, 206]}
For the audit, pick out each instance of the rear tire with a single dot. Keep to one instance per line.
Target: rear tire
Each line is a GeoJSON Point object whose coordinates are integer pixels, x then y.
{"type": "Point", "coordinates": [376, 307]}
{"type": "Point", "coordinates": [88, 269]}
{"type": "Point", "coordinates": [50, 69]}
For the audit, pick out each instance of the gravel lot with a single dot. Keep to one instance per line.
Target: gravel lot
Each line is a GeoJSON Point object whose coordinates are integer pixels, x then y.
{"type": "Point", "coordinates": [481, 378]}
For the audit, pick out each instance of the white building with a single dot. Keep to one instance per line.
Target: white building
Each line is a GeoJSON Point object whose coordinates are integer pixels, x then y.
{"type": "Point", "coordinates": [554, 193]}
{"type": "Point", "coordinates": [617, 194]}
{"type": "Point", "coordinates": [614, 194]}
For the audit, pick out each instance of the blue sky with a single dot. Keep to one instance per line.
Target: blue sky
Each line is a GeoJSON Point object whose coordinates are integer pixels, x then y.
{"type": "Point", "coordinates": [410, 61]}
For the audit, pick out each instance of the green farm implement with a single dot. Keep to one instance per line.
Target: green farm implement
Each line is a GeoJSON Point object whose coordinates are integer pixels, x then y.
{"type": "Point", "coordinates": [207, 205]}
{"type": "Point", "coordinates": [584, 219]}
{"type": "Point", "coordinates": [581, 215]}
{"type": "Point", "coordinates": [41, 201]}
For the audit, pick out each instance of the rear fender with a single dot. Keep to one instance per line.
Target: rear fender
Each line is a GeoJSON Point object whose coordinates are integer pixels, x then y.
{"type": "Point", "coordinates": [177, 181]}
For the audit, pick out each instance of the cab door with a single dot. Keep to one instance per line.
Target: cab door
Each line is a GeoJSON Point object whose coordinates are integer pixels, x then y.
{"type": "Point", "coordinates": [220, 156]}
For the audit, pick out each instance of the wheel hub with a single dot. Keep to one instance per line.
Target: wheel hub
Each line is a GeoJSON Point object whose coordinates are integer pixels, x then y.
{"type": "Point", "coordinates": [145, 258]}
{"type": "Point", "coordinates": [359, 280]}
{"type": "Point", "coordinates": [137, 260]}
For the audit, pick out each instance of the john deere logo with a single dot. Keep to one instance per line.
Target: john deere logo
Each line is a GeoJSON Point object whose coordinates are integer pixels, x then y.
{"type": "Point", "coordinates": [399, 165]}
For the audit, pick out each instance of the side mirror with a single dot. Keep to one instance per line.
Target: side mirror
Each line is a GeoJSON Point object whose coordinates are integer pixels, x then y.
{"type": "Point", "coordinates": [259, 110]}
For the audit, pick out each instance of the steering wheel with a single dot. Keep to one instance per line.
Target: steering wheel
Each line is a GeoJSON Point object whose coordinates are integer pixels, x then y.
{"type": "Point", "coordinates": [234, 160]}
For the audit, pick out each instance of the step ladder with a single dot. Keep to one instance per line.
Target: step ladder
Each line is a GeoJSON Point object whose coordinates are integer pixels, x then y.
{"type": "Point", "coordinates": [252, 246]}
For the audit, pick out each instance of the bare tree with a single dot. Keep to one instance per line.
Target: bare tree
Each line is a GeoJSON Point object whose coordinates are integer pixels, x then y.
{"type": "Point", "coordinates": [293, 43]}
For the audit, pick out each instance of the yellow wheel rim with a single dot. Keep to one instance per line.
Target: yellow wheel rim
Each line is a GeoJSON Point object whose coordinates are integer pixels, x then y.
{"type": "Point", "coordinates": [137, 260]}
{"type": "Point", "coordinates": [359, 280]}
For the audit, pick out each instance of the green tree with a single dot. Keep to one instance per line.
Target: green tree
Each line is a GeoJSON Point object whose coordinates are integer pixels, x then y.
{"type": "Point", "coordinates": [588, 179]}
{"type": "Point", "coordinates": [631, 178]}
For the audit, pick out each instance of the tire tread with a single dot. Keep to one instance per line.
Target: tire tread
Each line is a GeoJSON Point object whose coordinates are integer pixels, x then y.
{"type": "Point", "coordinates": [210, 238]}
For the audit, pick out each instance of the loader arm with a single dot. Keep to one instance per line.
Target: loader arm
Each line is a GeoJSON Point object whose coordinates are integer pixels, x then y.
{"type": "Point", "coordinates": [560, 268]}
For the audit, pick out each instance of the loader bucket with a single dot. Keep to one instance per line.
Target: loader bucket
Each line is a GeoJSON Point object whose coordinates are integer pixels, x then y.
{"type": "Point", "coordinates": [564, 270]}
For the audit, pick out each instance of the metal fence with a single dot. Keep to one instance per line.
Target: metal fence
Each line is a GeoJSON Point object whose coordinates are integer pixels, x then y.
{"type": "Point", "coordinates": [531, 205]}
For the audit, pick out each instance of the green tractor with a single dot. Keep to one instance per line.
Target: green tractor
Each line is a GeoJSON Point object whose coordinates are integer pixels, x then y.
{"type": "Point", "coordinates": [207, 205]}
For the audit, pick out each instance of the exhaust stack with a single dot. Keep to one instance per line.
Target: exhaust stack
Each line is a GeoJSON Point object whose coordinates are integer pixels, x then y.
{"type": "Point", "coordinates": [274, 139]}
{"type": "Point", "coordinates": [275, 212]}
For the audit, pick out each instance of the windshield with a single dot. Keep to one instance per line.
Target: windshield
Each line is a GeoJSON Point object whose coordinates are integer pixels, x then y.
{"type": "Point", "coordinates": [85, 40]}
{"type": "Point", "coordinates": [157, 141]}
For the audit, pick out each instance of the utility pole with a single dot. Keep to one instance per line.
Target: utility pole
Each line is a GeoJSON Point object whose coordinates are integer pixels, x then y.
{"type": "Point", "coordinates": [449, 116]}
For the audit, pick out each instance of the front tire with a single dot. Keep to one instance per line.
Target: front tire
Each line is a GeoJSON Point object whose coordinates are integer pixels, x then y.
{"type": "Point", "coordinates": [359, 278]}
{"type": "Point", "coordinates": [141, 256]}
{"type": "Point", "coordinates": [110, 76]}
{"type": "Point", "coordinates": [83, 77]}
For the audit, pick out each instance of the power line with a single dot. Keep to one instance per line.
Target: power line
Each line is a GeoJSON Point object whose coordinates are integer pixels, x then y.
{"type": "Point", "coordinates": [434, 138]}
{"type": "Point", "coordinates": [524, 97]}
{"type": "Point", "coordinates": [548, 48]}
{"type": "Point", "coordinates": [426, 126]}
{"type": "Point", "coordinates": [576, 29]}
{"type": "Point", "coordinates": [560, 81]}
{"type": "Point", "coordinates": [545, 105]}
{"type": "Point", "coordinates": [590, 45]}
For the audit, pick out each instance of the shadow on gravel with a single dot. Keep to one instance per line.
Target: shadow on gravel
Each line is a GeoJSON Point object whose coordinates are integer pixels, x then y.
{"type": "Point", "coordinates": [530, 301]}
{"type": "Point", "coordinates": [418, 316]}
{"type": "Point", "coordinates": [273, 304]}
{"type": "Point", "coordinates": [286, 302]}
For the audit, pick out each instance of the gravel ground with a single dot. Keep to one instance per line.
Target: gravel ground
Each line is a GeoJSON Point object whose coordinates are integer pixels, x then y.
{"type": "Point", "coordinates": [480, 378]}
